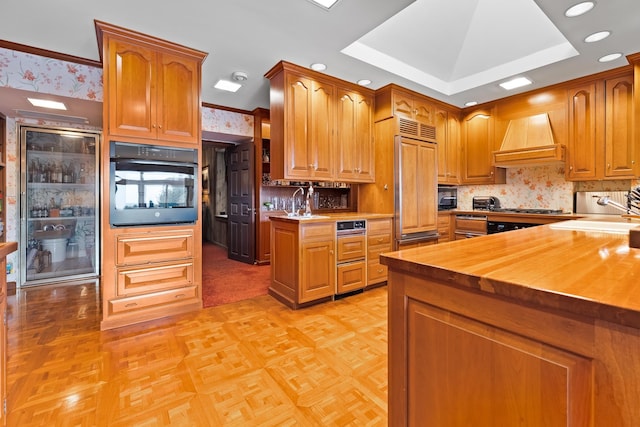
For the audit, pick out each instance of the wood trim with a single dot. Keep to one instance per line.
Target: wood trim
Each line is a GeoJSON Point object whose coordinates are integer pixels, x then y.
{"type": "Point", "coordinates": [49, 54]}
{"type": "Point", "coordinates": [231, 109]}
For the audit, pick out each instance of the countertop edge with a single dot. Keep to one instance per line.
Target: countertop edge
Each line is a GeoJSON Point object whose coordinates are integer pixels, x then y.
{"type": "Point", "coordinates": [7, 247]}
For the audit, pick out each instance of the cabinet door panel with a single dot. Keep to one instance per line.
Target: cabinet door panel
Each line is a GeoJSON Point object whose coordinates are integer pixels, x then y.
{"type": "Point", "coordinates": [318, 269]}
{"type": "Point", "coordinates": [351, 277]}
{"type": "Point", "coordinates": [322, 119]}
{"type": "Point", "coordinates": [620, 150]}
{"type": "Point", "coordinates": [132, 102]}
{"type": "Point", "coordinates": [365, 151]}
{"type": "Point", "coordinates": [419, 181]}
{"type": "Point", "coordinates": [298, 113]}
{"type": "Point", "coordinates": [178, 113]}
{"type": "Point", "coordinates": [583, 142]}
{"type": "Point", "coordinates": [545, 386]}
{"type": "Point", "coordinates": [346, 135]}
{"type": "Point", "coordinates": [478, 148]}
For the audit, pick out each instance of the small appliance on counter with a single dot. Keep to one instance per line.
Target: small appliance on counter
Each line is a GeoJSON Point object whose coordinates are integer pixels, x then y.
{"type": "Point", "coordinates": [447, 198]}
{"type": "Point", "coordinates": [485, 203]}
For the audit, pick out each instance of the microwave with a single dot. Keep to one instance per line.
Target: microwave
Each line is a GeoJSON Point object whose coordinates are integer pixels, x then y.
{"type": "Point", "coordinates": [447, 198]}
{"type": "Point", "coordinates": [152, 185]}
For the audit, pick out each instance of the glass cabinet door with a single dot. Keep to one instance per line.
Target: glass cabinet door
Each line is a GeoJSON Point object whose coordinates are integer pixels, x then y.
{"type": "Point", "coordinates": [59, 205]}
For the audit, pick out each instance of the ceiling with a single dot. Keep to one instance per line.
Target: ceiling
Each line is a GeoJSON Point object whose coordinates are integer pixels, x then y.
{"type": "Point", "coordinates": [452, 50]}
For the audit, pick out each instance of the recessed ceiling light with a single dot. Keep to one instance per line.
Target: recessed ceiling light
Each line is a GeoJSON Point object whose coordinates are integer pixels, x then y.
{"type": "Point", "coordinates": [470, 103]}
{"type": "Point", "coordinates": [325, 4]}
{"type": "Point", "coordinates": [227, 85]}
{"type": "Point", "coordinates": [45, 103]}
{"type": "Point", "coordinates": [364, 82]}
{"type": "Point", "coordinates": [579, 9]}
{"type": "Point", "coordinates": [610, 57]}
{"type": "Point", "coordinates": [239, 76]}
{"type": "Point", "coordinates": [515, 83]}
{"type": "Point", "coordinates": [317, 66]}
{"type": "Point", "coordinates": [596, 37]}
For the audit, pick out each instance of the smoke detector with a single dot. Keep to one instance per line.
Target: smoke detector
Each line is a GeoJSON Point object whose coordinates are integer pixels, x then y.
{"type": "Point", "coordinates": [239, 76]}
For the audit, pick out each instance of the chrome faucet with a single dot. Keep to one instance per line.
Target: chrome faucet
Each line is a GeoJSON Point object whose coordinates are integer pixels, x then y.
{"type": "Point", "coordinates": [294, 210]}
{"type": "Point", "coordinates": [307, 205]}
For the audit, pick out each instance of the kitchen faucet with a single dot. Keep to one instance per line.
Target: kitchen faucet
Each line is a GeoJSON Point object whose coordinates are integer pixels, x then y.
{"type": "Point", "coordinates": [307, 205]}
{"type": "Point", "coordinates": [295, 211]}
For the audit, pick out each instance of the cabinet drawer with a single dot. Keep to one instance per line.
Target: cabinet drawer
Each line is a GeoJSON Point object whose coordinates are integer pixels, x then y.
{"type": "Point", "coordinates": [380, 239]}
{"type": "Point", "coordinates": [158, 277]}
{"type": "Point", "coordinates": [351, 248]}
{"type": "Point", "coordinates": [376, 273]}
{"type": "Point", "coordinates": [146, 248]}
{"type": "Point", "coordinates": [377, 226]}
{"type": "Point", "coordinates": [351, 276]}
{"type": "Point", "coordinates": [317, 231]}
{"type": "Point", "coordinates": [473, 225]}
{"type": "Point", "coordinates": [139, 302]}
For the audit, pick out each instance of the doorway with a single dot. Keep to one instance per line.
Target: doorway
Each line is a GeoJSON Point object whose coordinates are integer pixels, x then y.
{"type": "Point", "coordinates": [228, 212]}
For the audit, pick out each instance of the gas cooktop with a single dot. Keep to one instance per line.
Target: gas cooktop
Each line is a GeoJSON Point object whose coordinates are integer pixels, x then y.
{"type": "Point", "coordinates": [529, 211]}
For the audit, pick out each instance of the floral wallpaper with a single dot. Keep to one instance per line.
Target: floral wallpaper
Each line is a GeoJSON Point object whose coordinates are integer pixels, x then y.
{"type": "Point", "coordinates": [229, 122]}
{"type": "Point", "coordinates": [35, 73]}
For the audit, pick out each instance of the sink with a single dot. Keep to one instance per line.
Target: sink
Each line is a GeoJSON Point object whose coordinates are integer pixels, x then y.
{"type": "Point", "coordinates": [598, 226]}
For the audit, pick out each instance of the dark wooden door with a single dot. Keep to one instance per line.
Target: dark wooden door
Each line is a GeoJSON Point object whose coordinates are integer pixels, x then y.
{"type": "Point", "coordinates": [242, 213]}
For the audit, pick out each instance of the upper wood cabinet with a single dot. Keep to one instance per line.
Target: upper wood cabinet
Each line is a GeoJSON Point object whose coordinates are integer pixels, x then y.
{"type": "Point", "coordinates": [354, 137]}
{"type": "Point", "coordinates": [152, 87]}
{"type": "Point", "coordinates": [448, 136]}
{"type": "Point", "coordinates": [601, 130]}
{"type": "Point", "coordinates": [477, 147]}
{"type": "Point", "coordinates": [311, 116]}
{"type": "Point", "coordinates": [393, 100]}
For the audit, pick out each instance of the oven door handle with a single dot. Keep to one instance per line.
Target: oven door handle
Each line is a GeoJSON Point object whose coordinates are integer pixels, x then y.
{"type": "Point", "coordinates": [152, 162]}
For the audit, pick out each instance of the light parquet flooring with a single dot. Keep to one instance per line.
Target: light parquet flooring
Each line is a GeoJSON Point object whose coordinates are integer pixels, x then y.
{"type": "Point", "coordinates": [250, 363]}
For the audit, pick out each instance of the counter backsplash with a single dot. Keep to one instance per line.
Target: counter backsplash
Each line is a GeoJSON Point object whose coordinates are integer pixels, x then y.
{"type": "Point", "coordinates": [541, 187]}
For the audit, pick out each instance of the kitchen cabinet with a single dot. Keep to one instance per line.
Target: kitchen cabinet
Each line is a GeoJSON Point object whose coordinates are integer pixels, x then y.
{"type": "Point", "coordinates": [419, 208]}
{"type": "Point", "coordinates": [448, 137]}
{"type": "Point", "coordinates": [154, 272]}
{"type": "Point", "coordinates": [152, 87]}
{"type": "Point", "coordinates": [303, 261]}
{"type": "Point", "coordinates": [601, 144]}
{"type": "Point", "coordinates": [393, 100]}
{"type": "Point", "coordinates": [444, 227]}
{"type": "Point", "coordinates": [60, 206]}
{"type": "Point", "coordinates": [3, 176]}
{"type": "Point", "coordinates": [5, 249]}
{"type": "Point", "coordinates": [152, 94]}
{"type": "Point", "coordinates": [379, 240]}
{"type": "Point", "coordinates": [354, 137]}
{"type": "Point", "coordinates": [307, 115]}
{"type": "Point", "coordinates": [478, 144]}
{"type": "Point", "coordinates": [262, 140]}
{"type": "Point", "coordinates": [467, 226]}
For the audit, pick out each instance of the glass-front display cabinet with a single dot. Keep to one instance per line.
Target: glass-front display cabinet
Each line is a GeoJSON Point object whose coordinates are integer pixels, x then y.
{"type": "Point", "coordinates": [59, 205]}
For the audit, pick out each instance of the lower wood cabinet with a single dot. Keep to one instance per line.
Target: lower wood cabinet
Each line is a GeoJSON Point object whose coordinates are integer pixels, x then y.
{"type": "Point", "coordinates": [156, 274]}
{"type": "Point", "coordinates": [444, 227]}
{"type": "Point", "coordinates": [379, 240]}
{"type": "Point", "coordinates": [303, 261]}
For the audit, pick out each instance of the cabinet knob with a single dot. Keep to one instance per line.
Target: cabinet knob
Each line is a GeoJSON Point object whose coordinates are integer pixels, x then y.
{"type": "Point", "coordinates": [608, 165]}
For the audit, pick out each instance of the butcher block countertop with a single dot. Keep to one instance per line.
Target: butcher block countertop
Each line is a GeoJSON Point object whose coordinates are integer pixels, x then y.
{"type": "Point", "coordinates": [588, 273]}
{"type": "Point", "coordinates": [342, 216]}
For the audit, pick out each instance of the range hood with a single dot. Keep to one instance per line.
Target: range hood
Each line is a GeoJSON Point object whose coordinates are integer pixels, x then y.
{"type": "Point", "coordinates": [529, 142]}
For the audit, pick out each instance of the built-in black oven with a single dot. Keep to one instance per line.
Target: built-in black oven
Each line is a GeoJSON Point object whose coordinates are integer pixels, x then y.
{"type": "Point", "coordinates": [152, 185]}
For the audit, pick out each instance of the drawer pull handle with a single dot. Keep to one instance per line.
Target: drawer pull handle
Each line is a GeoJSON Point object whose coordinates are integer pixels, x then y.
{"type": "Point", "coordinates": [180, 296]}
{"type": "Point", "coordinates": [131, 304]}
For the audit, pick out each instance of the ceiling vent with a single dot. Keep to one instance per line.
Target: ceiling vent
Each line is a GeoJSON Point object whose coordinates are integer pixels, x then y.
{"type": "Point", "coordinates": [529, 142]}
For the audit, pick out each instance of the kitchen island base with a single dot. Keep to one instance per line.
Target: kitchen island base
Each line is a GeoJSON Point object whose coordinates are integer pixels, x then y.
{"type": "Point", "coordinates": [460, 356]}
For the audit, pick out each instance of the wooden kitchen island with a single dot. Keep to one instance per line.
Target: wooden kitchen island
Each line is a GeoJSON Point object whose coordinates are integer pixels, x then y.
{"type": "Point", "coordinates": [534, 327]}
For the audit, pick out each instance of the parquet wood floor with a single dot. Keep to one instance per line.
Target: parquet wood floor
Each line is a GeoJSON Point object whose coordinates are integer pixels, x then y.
{"type": "Point", "coordinates": [250, 363]}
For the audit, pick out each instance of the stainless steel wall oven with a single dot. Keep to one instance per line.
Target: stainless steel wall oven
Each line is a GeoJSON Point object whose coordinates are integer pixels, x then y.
{"type": "Point", "coordinates": [152, 185]}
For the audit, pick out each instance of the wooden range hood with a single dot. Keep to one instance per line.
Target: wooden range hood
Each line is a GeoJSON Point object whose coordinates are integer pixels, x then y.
{"type": "Point", "coordinates": [529, 142]}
